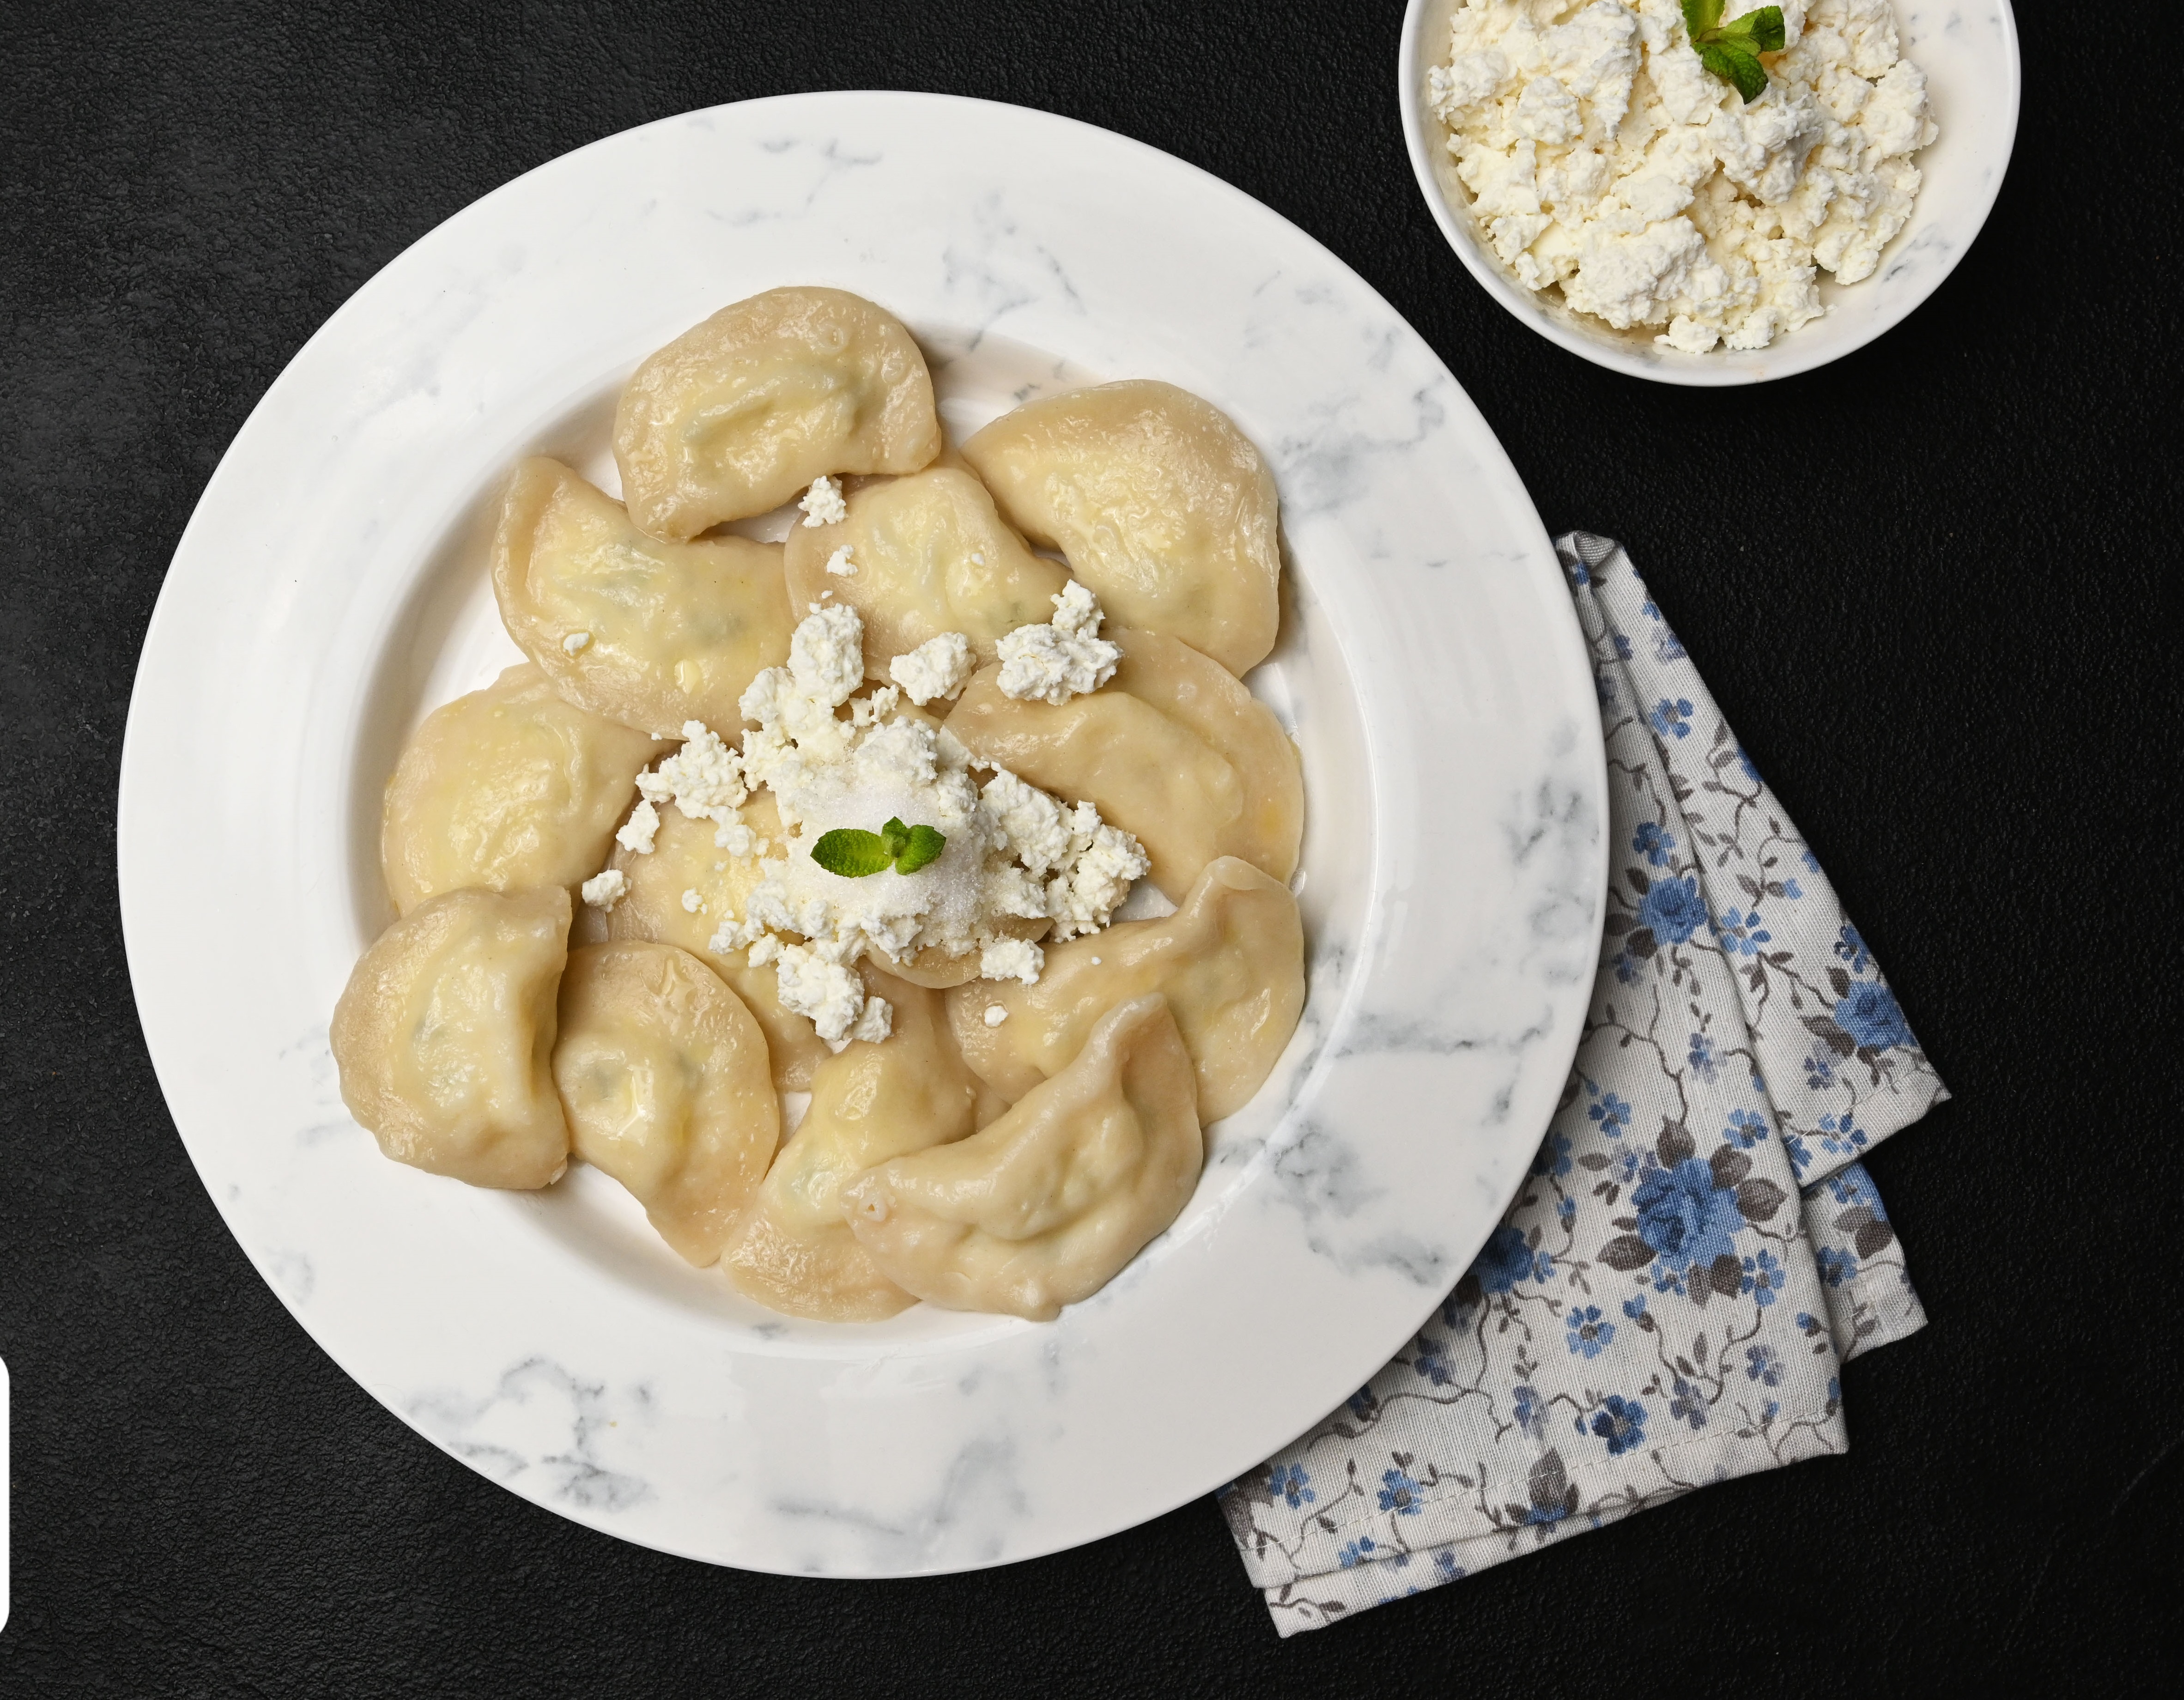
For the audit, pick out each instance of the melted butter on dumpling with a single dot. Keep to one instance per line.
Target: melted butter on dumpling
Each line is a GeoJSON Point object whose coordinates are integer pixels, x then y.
{"type": "Point", "coordinates": [1045, 1205]}
{"type": "Point", "coordinates": [931, 555]}
{"type": "Point", "coordinates": [649, 633]}
{"type": "Point", "coordinates": [737, 414]}
{"type": "Point", "coordinates": [1172, 749]}
{"type": "Point", "coordinates": [444, 1034]}
{"type": "Point", "coordinates": [792, 1251]}
{"type": "Point", "coordinates": [508, 788]}
{"type": "Point", "coordinates": [662, 1075]}
{"type": "Point", "coordinates": [1230, 963]}
{"type": "Point", "coordinates": [1160, 505]}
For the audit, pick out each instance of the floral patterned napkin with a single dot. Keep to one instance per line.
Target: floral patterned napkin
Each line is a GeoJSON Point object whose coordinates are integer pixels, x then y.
{"type": "Point", "coordinates": [1696, 1249]}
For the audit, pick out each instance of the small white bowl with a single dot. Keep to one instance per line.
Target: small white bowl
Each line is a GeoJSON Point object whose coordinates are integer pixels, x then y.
{"type": "Point", "coordinates": [1968, 49]}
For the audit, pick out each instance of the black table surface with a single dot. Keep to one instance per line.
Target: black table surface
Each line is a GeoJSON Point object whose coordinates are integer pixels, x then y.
{"type": "Point", "coordinates": [1923, 583]}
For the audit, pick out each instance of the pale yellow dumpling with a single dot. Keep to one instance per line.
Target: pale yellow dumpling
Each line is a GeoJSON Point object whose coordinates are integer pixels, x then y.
{"type": "Point", "coordinates": [684, 861]}
{"type": "Point", "coordinates": [792, 1251]}
{"type": "Point", "coordinates": [737, 414]}
{"type": "Point", "coordinates": [652, 634]}
{"type": "Point", "coordinates": [443, 1036]}
{"type": "Point", "coordinates": [1230, 963]}
{"type": "Point", "coordinates": [663, 1077]}
{"type": "Point", "coordinates": [1159, 504]}
{"type": "Point", "coordinates": [508, 788]}
{"type": "Point", "coordinates": [929, 554]}
{"type": "Point", "coordinates": [1042, 1207]}
{"type": "Point", "coordinates": [1172, 749]}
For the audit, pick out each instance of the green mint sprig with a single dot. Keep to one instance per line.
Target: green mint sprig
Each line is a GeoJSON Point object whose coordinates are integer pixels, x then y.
{"type": "Point", "coordinates": [1731, 51]}
{"type": "Point", "coordinates": [854, 854]}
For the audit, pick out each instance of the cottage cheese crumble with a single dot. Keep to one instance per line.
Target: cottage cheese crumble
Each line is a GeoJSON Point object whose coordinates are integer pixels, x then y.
{"type": "Point", "coordinates": [1064, 658]}
{"type": "Point", "coordinates": [605, 889]}
{"type": "Point", "coordinates": [937, 667]}
{"type": "Point", "coordinates": [1604, 159]}
{"type": "Point", "coordinates": [822, 503]}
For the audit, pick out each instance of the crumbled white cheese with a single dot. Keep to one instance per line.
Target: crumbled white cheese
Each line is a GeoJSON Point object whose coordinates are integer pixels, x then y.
{"type": "Point", "coordinates": [822, 503]}
{"type": "Point", "coordinates": [704, 779]}
{"type": "Point", "coordinates": [1061, 660]}
{"type": "Point", "coordinates": [638, 831]}
{"type": "Point", "coordinates": [605, 889]}
{"type": "Point", "coordinates": [1605, 160]}
{"type": "Point", "coordinates": [1092, 865]}
{"type": "Point", "coordinates": [576, 642]}
{"type": "Point", "coordinates": [996, 1015]}
{"type": "Point", "coordinates": [840, 565]}
{"type": "Point", "coordinates": [937, 667]}
{"type": "Point", "coordinates": [1011, 959]}
{"type": "Point", "coordinates": [693, 901]}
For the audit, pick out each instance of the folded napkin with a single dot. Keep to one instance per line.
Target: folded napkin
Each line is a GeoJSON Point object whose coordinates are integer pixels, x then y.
{"type": "Point", "coordinates": [1696, 1249]}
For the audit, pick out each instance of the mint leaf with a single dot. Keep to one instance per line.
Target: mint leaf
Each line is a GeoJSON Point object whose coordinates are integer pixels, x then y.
{"type": "Point", "coordinates": [851, 853]}
{"type": "Point", "coordinates": [1763, 29]}
{"type": "Point", "coordinates": [1731, 51]}
{"type": "Point", "coordinates": [1735, 66]}
{"type": "Point", "coordinates": [925, 845]}
{"type": "Point", "coordinates": [893, 837]}
{"type": "Point", "coordinates": [1700, 16]}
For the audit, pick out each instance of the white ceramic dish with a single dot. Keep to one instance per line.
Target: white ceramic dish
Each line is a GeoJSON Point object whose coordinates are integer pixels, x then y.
{"type": "Point", "coordinates": [1968, 49]}
{"type": "Point", "coordinates": [330, 589]}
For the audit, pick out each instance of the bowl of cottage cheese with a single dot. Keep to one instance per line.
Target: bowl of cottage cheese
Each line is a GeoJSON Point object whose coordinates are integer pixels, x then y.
{"type": "Point", "coordinates": [1602, 177]}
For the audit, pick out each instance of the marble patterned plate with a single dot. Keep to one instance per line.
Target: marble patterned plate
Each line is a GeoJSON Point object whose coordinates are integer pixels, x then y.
{"type": "Point", "coordinates": [330, 589]}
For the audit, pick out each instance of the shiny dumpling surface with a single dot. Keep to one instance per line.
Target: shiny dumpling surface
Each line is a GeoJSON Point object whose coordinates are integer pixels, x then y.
{"type": "Point", "coordinates": [444, 1034]}
{"type": "Point", "coordinates": [738, 413]}
{"type": "Point", "coordinates": [1230, 963]}
{"type": "Point", "coordinates": [663, 1078]}
{"type": "Point", "coordinates": [652, 634]}
{"type": "Point", "coordinates": [1172, 749]}
{"type": "Point", "coordinates": [508, 788]}
{"type": "Point", "coordinates": [1159, 504]}
{"type": "Point", "coordinates": [931, 555]}
{"type": "Point", "coordinates": [793, 1252]}
{"type": "Point", "coordinates": [1043, 1207]}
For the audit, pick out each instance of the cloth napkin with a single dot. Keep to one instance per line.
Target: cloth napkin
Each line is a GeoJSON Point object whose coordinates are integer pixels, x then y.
{"type": "Point", "coordinates": [1696, 1249]}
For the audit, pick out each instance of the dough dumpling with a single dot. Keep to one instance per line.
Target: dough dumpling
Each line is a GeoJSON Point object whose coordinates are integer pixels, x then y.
{"type": "Point", "coordinates": [445, 1034]}
{"type": "Point", "coordinates": [1230, 961]}
{"type": "Point", "coordinates": [737, 414]}
{"type": "Point", "coordinates": [684, 858]}
{"type": "Point", "coordinates": [932, 555]}
{"type": "Point", "coordinates": [663, 632]}
{"type": "Point", "coordinates": [1042, 1208]}
{"type": "Point", "coordinates": [1172, 749]}
{"type": "Point", "coordinates": [663, 1078]}
{"type": "Point", "coordinates": [1159, 504]}
{"type": "Point", "coordinates": [793, 1252]}
{"type": "Point", "coordinates": [508, 788]}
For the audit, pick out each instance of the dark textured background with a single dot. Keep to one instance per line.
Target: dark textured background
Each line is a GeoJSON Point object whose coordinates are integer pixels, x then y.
{"type": "Point", "coordinates": [1922, 582]}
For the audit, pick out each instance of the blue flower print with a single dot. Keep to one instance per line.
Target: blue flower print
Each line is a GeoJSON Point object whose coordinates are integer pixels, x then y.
{"type": "Point", "coordinates": [1624, 1167]}
{"type": "Point", "coordinates": [1623, 649]}
{"type": "Point", "coordinates": [1791, 889]}
{"type": "Point", "coordinates": [1587, 1332]}
{"type": "Point", "coordinates": [1800, 1158]}
{"type": "Point", "coordinates": [1746, 1129]}
{"type": "Point", "coordinates": [1399, 1493]}
{"type": "Point", "coordinates": [1355, 1553]}
{"type": "Point", "coordinates": [1634, 1307]}
{"type": "Point", "coordinates": [1672, 909]}
{"type": "Point", "coordinates": [1848, 945]}
{"type": "Point", "coordinates": [1566, 1212]}
{"type": "Point", "coordinates": [1820, 1069]}
{"type": "Point", "coordinates": [1763, 1279]}
{"type": "Point", "coordinates": [1744, 761]}
{"type": "Point", "coordinates": [1626, 968]}
{"type": "Point", "coordinates": [1671, 719]}
{"type": "Point", "coordinates": [1688, 1406]}
{"type": "Point", "coordinates": [1432, 1361]}
{"type": "Point", "coordinates": [1667, 646]}
{"type": "Point", "coordinates": [1852, 1187]}
{"type": "Point", "coordinates": [1704, 1063]}
{"type": "Point", "coordinates": [1741, 934]}
{"type": "Point", "coordinates": [1655, 845]}
{"type": "Point", "coordinates": [1506, 1260]}
{"type": "Point", "coordinates": [1579, 573]}
{"type": "Point", "coordinates": [1685, 1216]}
{"type": "Point", "coordinates": [1613, 1114]}
{"type": "Point", "coordinates": [1445, 1562]}
{"type": "Point", "coordinates": [1764, 1364]}
{"type": "Point", "coordinates": [1620, 1422]}
{"type": "Point", "coordinates": [1872, 1017]}
{"type": "Point", "coordinates": [1840, 1134]}
{"type": "Point", "coordinates": [1603, 687]}
{"type": "Point", "coordinates": [1837, 1265]}
{"type": "Point", "coordinates": [1553, 1156]}
{"type": "Point", "coordinates": [1363, 1403]}
{"type": "Point", "coordinates": [1530, 1411]}
{"type": "Point", "coordinates": [1292, 1483]}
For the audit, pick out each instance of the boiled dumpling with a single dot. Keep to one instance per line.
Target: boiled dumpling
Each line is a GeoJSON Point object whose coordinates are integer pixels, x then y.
{"type": "Point", "coordinates": [1172, 749]}
{"type": "Point", "coordinates": [1159, 504]}
{"type": "Point", "coordinates": [1045, 1205]}
{"type": "Point", "coordinates": [738, 413]}
{"type": "Point", "coordinates": [508, 788]}
{"type": "Point", "coordinates": [683, 861]}
{"type": "Point", "coordinates": [792, 1251]}
{"type": "Point", "coordinates": [1230, 961]}
{"type": "Point", "coordinates": [443, 1036]}
{"type": "Point", "coordinates": [649, 633]}
{"type": "Point", "coordinates": [663, 1077]}
{"type": "Point", "coordinates": [930, 555]}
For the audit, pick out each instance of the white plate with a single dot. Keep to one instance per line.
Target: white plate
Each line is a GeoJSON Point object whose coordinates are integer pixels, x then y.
{"type": "Point", "coordinates": [1968, 49]}
{"type": "Point", "coordinates": [330, 589]}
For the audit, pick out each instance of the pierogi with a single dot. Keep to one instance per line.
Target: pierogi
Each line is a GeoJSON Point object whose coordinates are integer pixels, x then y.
{"type": "Point", "coordinates": [928, 554]}
{"type": "Point", "coordinates": [792, 1251]}
{"type": "Point", "coordinates": [663, 1080]}
{"type": "Point", "coordinates": [1172, 749]}
{"type": "Point", "coordinates": [652, 634]}
{"type": "Point", "coordinates": [444, 1034]}
{"type": "Point", "coordinates": [1230, 963]}
{"type": "Point", "coordinates": [508, 788]}
{"type": "Point", "coordinates": [684, 860]}
{"type": "Point", "coordinates": [1042, 1208]}
{"type": "Point", "coordinates": [1159, 504]}
{"type": "Point", "coordinates": [737, 414]}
